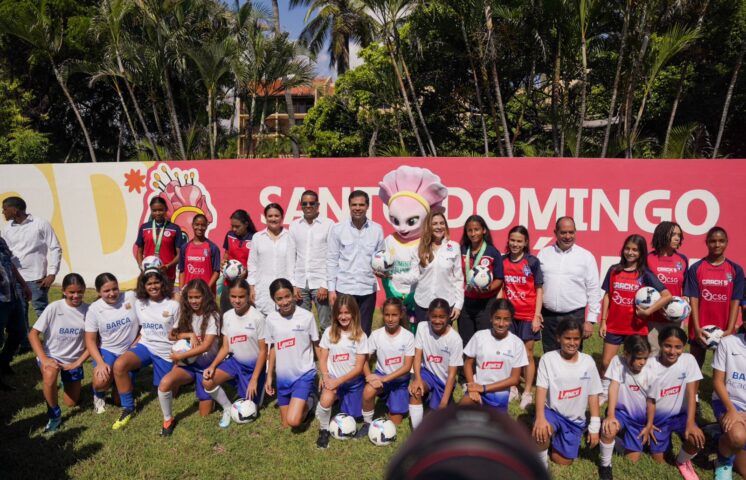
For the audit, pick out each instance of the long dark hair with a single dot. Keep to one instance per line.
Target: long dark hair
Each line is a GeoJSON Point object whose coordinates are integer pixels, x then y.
{"type": "Point", "coordinates": [243, 216]}
{"type": "Point", "coordinates": [166, 288]}
{"type": "Point", "coordinates": [465, 242]}
{"type": "Point", "coordinates": [209, 308]}
{"type": "Point", "coordinates": [661, 240]}
{"type": "Point", "coordinates": [642, 247]}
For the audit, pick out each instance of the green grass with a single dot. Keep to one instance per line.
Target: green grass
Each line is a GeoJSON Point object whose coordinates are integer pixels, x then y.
{"type": "Point", "coordinates": [86, 447]}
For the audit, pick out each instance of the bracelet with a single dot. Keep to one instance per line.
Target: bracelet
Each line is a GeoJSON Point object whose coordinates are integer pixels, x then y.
{"type": "Point", "coordinates": [595, 425]}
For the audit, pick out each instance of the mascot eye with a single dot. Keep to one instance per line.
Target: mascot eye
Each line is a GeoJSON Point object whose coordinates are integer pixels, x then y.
{"type": "Point", "coordinates": [412, 221]}
{"type": "Point", "coordinates": [394, 221]}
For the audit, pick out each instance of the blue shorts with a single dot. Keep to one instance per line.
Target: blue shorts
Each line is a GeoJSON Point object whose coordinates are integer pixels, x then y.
{"type": "Point", "coordinates": [436, 388]}
{"type": "Point", "coordinates": [614, 338]}
{"type": "Point", "coordinates": [719, 410]}
{"type": "Point", "coordinates": [242, 373]}
{"type": "Point", "coordinates": [196, 373]}
{"type": "Point", "coordinates": [566, 434]}
{"type": "Point", "coordinates": [498, 400]}
{"type": "Point", "coordinates": [109, 357]}
{"type": "Point", "coordinates": [522, 329]}
{"type": "Point", "coordinates": [631, 429]}
{"type": "Point", "coordinates": [298, 388]}
{"type": "Point", "coordinates": [669, 426]}
{"type": "Point", "coordinates": [68, 376]}
{"type": "Point", "coordinates": [161, 367]}
{"type": "Point", "coordinates": [350, 395]}
{"type": "Point", "coordinates": [396, 394]}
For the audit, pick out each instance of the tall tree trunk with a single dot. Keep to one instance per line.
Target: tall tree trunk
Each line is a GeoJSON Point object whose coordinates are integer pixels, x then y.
{"type": "Point", "coordinates": [136, 104]}
{"type": "Point", "coordinates": [156, 116]}
{"type": "Point", "coordinates": [172, 112]}
{"type": "Point", "coordinates": [209, 124]}
{"type": "Point", "coordinates": [496, 79]}
{"type": "Point", "coordinates": [61, 81]}
{"type": "Point", "coordinates": [617, 77]}
{"type": "Point", "coordinates": [583, 94]}
{"type": "Point", "coordinates": [407, 106]}
{"type": "Point", "coordinates": [672, 117]}
{"type": "Point", "coordinates": [556, 99]}
{"type": "Point", "coordinates": [417, 106]}
{"type": "Point", "coordinates": [728, 99]}
{"type": "Point", "coordinates": [126, 112]}
{"type": "Point", "coordinates": [288, 95]}
{"type": "Point", "coordinates": [637, 64]}
{"type": "Point", "coordinates": [477, 90]}
{"type": "Point", "coordinates": [252, 149]}
{"type": "Point", "coordinates": [490, 100]}
{"type": "Point", "coordinates": [372, 143]}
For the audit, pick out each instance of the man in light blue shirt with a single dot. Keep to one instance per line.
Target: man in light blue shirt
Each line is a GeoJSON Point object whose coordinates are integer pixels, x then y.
{"type": "Point", "coordinates": [352, 244]}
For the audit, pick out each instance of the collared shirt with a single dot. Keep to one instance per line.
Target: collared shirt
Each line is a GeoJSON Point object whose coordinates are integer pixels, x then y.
{"type": "Point", "coordinates": [310, 242]}
{"type": "Point", "coordinates": [36, 250]}
{"type": "Point", "coordinates": [269, 260]}
{"type": "Point", "coordinates": [349, 254]}
{"type": "Point", "coordinates": [570, 280]}
{"type": "Point", "coordinates": [443, 277]}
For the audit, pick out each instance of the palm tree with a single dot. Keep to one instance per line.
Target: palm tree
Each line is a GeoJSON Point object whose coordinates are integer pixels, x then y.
{"type": "Point", "coordinates": [617, 77]}
{"type": "Point", "coordinates": [728, 99]}
{"type": "Point", "coordinates": [288, 94]}
{"type": "Point", "coordinates": [584, 17]}
{"type": "Point", "coordinates": [496, 78]}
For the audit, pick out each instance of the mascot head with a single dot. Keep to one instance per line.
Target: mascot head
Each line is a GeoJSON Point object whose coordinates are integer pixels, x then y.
{"type": "Point", "coordinates": [410, 193]}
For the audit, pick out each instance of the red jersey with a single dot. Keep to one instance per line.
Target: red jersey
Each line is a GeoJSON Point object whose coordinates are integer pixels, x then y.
{"type": "Point", "coordinates": [237, 248]}
{"type": "Point", "coordinates": [522, 278]}
{"type": "Point", "coordinates": [671, 271]}
{"type": "Point", "coordinates": [715, 286]}
{"type": "Point", "coordinates": [199, 261]}
{"type": "Point", "coordinates": [171, 241]}
{"type": "Point", "coordinates": [621, 286]}
{"type": "Point", "coordinates": [491, 258]}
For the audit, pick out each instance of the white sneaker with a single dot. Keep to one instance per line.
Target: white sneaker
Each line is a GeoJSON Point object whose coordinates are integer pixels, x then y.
{"type": "Point", "coordinates": [526, 400]}
{"type": "Point", "coordinates": [513, 394]}
{"type": "Point", "coordinates": [99, 405]}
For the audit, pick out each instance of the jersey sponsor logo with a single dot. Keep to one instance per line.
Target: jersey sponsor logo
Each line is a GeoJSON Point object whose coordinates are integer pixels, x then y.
{"type": "Point", "coordinates": [568, 394]}
{"type": "Point", "coordinates": [629, 287]}
{"type": "Point", "coordinates": [298, 328]}
{"type": "Point", "coordinates": [666, 280]}
{"type": "Point", "coordinates": [669, 269]}
{"type": "Point", "coordinates": [195, 270]}
{"type": "Point", "coordinates": [238, 338]}
{"type": "Point", "coordinates": [287, 343]}
{"type": "Point", "coordinates": [393, 361]}
{"type": "Point", "coordinates": [714, 282]}
{"type": "Point", "coordinates": [492, 365]}
{"type": "Point", "coordinates": [152, 326]}
{"type": "Point", "coordinates": [197, 258]}
{"type": "Point", "coordinates": [617, 298]}
{"type": "Point", "coordinates": [713, 297]}
{"type": "Point", "coordinates": [738, 376]}
{"type": "Point", "coordinates": [118, 323]}
{"type": "Point", "coordinates": [513, 295]}
{"type": "Point", "coordinates": [341, 357]}
{"type": "Point", "coordinates": [667, 392]}
{"type": "Point", "coordinates": [634, 388]}
{"type": "Point", "coordinates": [585, 376]}
{"type": "Point", "coordinates": [70, 331]}
{"type": "Point", "coordinates": [515, 279]}
{"type": "Point", "coordinates": [435, 359]}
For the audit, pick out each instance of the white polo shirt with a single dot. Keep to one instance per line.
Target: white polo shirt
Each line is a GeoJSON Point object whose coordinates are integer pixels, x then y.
{"type": "Point", "coordinates": [36, 249]}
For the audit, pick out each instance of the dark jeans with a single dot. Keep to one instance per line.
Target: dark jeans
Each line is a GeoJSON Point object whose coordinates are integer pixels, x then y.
{"type": "Point", "coordinates": [551, 320]}
{"type": "Point", "coordinates": [475, 316]}
{"type": "Point", "coordinates": [11, 320]}
{"type": "Point", "coordinates": [39, 301]}
{"type": "Point", "coordinates": [367, 304]}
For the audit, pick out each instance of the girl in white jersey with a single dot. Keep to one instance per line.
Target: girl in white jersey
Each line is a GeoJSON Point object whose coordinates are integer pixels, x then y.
{"type": "Point", "coordinates": [630, 378]}
{"type": "Point", "coordinates": [295, 338]}
{"type": "Point", "coordinates": [110, 330]}
{"type": "Point", "coordinates": [438, 352]}
{"type": "Point", "coordinates": [493, 360]}
{"type": "Point", "coordinates": [199, 323]}
{"type": "Point", "coordinates": [567, 383]}
{"type": "Point", "coordinates": [342, 353]}
{"type": "Point", "coordinates": [393, 347]}
{"type": "Point", "coordinates": [63, 351]}
{"type": "Point", "coordinates": [157, 315]}
{"type": "Point", "coordinates": [242, 355]}
{"type": "Point", "coordinates": [672, 401]}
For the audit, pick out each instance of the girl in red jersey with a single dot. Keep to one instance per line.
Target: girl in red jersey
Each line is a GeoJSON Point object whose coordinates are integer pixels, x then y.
{"type": "Point", "coordinates": [715, 286]}
{"type": "Point", "coordinates": [236, 246]}
{"type": "Point", "coordinates": [200, 257]}
{"type": "Point", "coordinates": [161, 238]}
{"type": "Point", "coordinates": [523, 287]}
{"type": "Point", "coordinates": [670, 267]}
{"type": "Point", "coordinates": [619, 316]}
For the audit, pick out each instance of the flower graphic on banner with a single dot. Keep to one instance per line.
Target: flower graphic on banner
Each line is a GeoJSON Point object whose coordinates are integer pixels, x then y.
{"type": "Point", "coordinates": [134, 180]}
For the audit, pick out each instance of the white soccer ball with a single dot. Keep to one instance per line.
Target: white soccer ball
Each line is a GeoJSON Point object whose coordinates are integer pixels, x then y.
{"type": "Point", "coordinates": [181, 346]}
{"type": "Point", "coordinates": [382, 432]}
{"type": "Point", "coordinates": [713, 334]}
{"type": "Point", "coordinates": [343, 426]}
{"type": "Point", "coordinates": [151, 261]}
{"type": "Point", "coordinates": [243, 411]}
{"type": "Point", "coordinates": [233, 269]}
{"type": "Point", "coordinates": [381, 262]}
{"type": "Point", "coordinates": [677, 310]}
{"type": "Point", "coordinates": [646, 296]}
{"type": "Point", "coordinates": [481, 277]}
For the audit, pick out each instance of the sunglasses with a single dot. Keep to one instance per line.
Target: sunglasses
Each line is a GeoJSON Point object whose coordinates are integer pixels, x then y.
{"type": "Point", "coordinates": [308, 204]}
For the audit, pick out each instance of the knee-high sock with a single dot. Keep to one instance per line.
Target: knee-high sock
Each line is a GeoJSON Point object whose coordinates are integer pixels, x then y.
{"type": "Point", "coordinates": [166, 400]}
{"type": "Point", "coordinates": [607, 449]}
{"type": "Point", "coordinates": [218, 394]}
{"type": "Point", "coordinates": [324, 415]}
{"type": "Point", "coordinates": [415, 415]}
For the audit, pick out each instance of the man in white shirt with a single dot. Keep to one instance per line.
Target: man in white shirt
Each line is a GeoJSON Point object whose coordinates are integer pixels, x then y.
{"type": "Point", "coordinates": [310, 236]}
{"type": "Point", "coordinates": [36, 253]}
{"type": "Point", "coordinates": [570, 284]}
{"type": "Point", "coordinates": [352, 244]}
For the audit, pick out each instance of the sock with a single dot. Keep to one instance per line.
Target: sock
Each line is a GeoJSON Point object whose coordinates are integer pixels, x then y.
{"type": "Point", "coordinates": [684, 456]}
{"type": "Point", "coordinates": [415, 415]}
{"type": "Point", "coordinates": [606, 450]}
{"type": "Point", "coordinates": [544, 457]}
{"type": "Point", "coordinates": [368, 416]}
{"type": "Point", "coordinates": [721, 460]}
{"type": "Point", "coordinates": [218, 394]}
{"type": "Point", "coordinates": [99, 394]}
{"type": "Point", "coordinates": [54, 412]}
{"type": "Point", "coordinates": [324, 415]}
{"type": "Point", "coordinates": [165, 399]}
{"type": "Point", "coordinates": [127, 400]}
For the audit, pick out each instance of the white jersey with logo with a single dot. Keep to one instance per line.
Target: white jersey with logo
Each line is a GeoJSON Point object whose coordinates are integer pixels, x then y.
{"type": "Point", "coordinates": [494, 359]}
{"type": "Point", "coordinates": [204, 360]}
{"type": "Point", "coordinates": [730, 358]}
{"type": "Point", "coordinates": [115, 324]}
{"type": "Point", "coordinates": [243, 332]}
{"type": "Point", "coordinates": [63, 330]}
{"type": "Point", "coordinates": [293, 339]}
{"type": "Point", "coordinates": [669, 388]}
{"type": "Point", "coordinates": [439, 353]}
{"type": "Point", "coordinates": [343, 354]}
{"type": "Point", "coordinates": [404, 270]}
{"type": "Point", "coordinates": [390, 350]}
{"type": "Point", "coordinates": [157, 319]}
{"type": "Point", "coordinates": [568, 383]}
{"type": "Point", "coordinates": [633, 388]}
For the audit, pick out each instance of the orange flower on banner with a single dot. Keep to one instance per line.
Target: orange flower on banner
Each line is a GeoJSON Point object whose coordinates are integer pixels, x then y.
{"type": "Point", "coordinates": [135, 180]}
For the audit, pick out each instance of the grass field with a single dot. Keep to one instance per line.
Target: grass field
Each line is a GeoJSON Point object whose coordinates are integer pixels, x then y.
{"type": "Point", "coordinates": [86, 447]}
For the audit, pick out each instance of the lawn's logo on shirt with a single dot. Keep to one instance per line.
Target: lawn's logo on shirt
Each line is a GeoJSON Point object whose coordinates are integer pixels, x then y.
{"type": "Point", "coordinates": [341, 357]}
{"type": "Point", "coordinates": [493, 365]}
{"type": "Point", "coordinates": [238, 338]}
{"type": "Point", "coordinates": [392, 361]}
{"type": "Point", "coordinates": [668, 392]}
{"type": "Point", "coordinates": [287, 343]}
{"type": "Point", "coordinates": [568, 394]}
{"type": "Point", "coordinates": [435, 359]}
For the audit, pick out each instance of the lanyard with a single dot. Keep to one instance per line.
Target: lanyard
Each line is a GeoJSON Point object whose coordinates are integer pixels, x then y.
{"type": "Point", "coordinates": [158, 237]}
{"type": "Point", "coordinates": [482, 248]}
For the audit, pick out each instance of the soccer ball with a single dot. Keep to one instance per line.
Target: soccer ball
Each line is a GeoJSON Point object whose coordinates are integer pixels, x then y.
{"type": "Point", "coordinates": [150, 262]}
{"type": "Point", "coordinates": [481, 277]}
{"type": "Point", "coordinates": [343, 426]}
{"type": "Point", "coordinates": [382, 432]}
{"type": "Point", "coordinates": [646, 296]}
{"type": "Point", "coordinates": [381, 262]}
{"type": "Point", "coordinates": [677, 310]}
{"type": "Point", "coordinates": [243, 411]}
{"type": "Point", "coordinates": [713, 334]}
{"type": "Point", "coordinates": [233, 269]}
{"type": "Point", "coordinates": [182, 346]}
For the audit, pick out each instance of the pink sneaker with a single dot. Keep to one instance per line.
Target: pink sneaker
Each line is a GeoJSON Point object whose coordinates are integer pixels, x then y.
{"type": "Point", "coordinates": [687, 471]}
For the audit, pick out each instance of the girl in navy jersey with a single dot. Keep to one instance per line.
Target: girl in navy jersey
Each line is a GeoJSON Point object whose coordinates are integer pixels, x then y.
{"type": "Point", "coordinates": [200, 257]}
{"type": "Point", "coordinates": [342, 353]}
{"type": "Point", "coordinates": [670, 266]}
{"type": "Point", "coordinates": [236, 246]}
{"type": "Point", "coordinates": [243, 353]}
{"type": "Point", "coordinates": [199, 322]}
{"type": "Point", "coordinates": [523, 287]}
{"type": "Point", "coordinates": [619, 315]}
{"type": "Point", "coordinates": [110, 330]}
{"type": "Point", "coordinates": [438, 352]}
{"type": "Point", "coordinates": [672, 401]}
{"type": "Point", "coordinates": [157, 315]}
{"type": "Point", "coordinates": [715, 286]}
{"type": "Point", "coordinates": [63, 351]}
{"type": "Point", "coordinates": [393, 347]}
{"type": "Point", "coordinates": [567, 383]}
{"type": "Point", "coordinates": [493, 360]}
{"type": "Point", "coordinates": [160, 238]}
